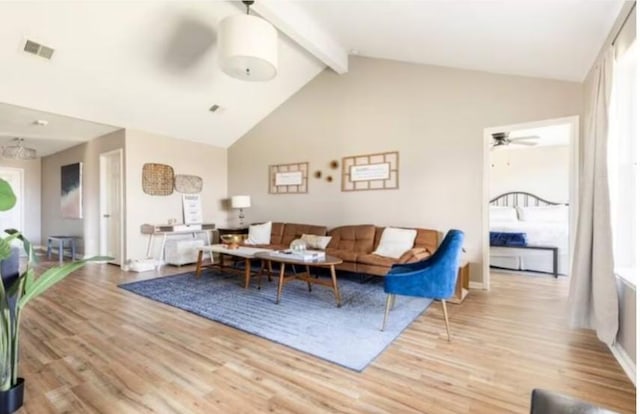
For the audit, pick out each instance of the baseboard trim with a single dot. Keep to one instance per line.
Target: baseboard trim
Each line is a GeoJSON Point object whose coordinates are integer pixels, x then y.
{"type": "Point", "coordinates": [627, 364]}
{"type": "Point", "coordinates": [476, 285]}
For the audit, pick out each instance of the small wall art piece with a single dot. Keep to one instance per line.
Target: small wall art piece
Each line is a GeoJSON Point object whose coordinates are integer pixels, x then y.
{"type": "Point", "coordinates": [71, 190]}
{"type": "Point", "coordinates": [188, 184]}
{"type": "Point", "coordinates": [192, 208]}
{"type": "Point", "coordinates": [371, 172]}
{"type": "Point", "coordinates": [288, 178]}
{"type": "Point", "coordinates": [157, 179]}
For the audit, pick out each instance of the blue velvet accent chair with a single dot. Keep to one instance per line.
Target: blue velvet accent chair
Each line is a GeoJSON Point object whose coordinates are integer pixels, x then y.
{"type": "Point", "coordinates": [434, 277]}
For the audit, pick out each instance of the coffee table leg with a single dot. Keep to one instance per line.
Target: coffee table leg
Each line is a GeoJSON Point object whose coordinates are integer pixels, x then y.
{"type": "Point", "coordinates": [280, 283]}
{"type": "Point", "coordinates": [336, 291]}
{"type": "Point", "coordinates": [247, 272]}
{"type": "Point", "coordinates": [309, 275]}
{"type": "Point", "coordinates": [199, 263]}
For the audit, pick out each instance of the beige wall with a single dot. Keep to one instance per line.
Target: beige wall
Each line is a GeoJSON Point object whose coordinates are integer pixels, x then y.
{"type": "Point", "coordinates": [185, 157]}
{"type": "Point", "coordinates": [32, 188]}
{"type": "Point", "coordinates": [89, 226]}
{"type": "Point", "coordinates": [433, 116]}
{"type": "Point", "coordinates": [543, 171]}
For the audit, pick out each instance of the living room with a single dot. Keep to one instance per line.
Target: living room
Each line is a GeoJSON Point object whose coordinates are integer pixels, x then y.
{"type": "Point", "coordinates": [434, 115]}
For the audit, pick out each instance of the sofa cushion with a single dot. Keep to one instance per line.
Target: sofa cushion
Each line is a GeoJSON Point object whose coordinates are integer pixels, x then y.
{"type": "Point", "coordinates": [414, 255]}
{"type": "Point", "coordinates": [259, 234]}
{"type": "Point", "coordinates": [313, 241]}
{"type": "Point", "coordinates": [376, 260]}
{"type": "Point", "coordinates": [357, 239]}
{"type": "Point", "coordinates": [346, 255]}
{"type": "Point", "coordinates": [395, 242]}
{"type": "Point", "coordinates": [428, 240]}
{"type": "Point", "coordinates": [277, 230]}
{"type": "Point", "coordinates": [294, 231]}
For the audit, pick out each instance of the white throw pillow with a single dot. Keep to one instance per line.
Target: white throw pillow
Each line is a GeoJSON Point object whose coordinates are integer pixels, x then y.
{"type": "Point", "coordinates": [395, 242]}
{"type": "Point", "coordinates": [548, 214]}
{"type": "Point", "coordinates": [316, 242]}
{"type": "Point", "coordinates": [502, 214]}
{"type": "Point", "coordinates": [259, 234]}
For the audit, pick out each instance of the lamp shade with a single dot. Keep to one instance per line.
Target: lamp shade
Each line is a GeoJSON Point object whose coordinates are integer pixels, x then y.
{"type": "Point", "coordinates": [248, 48]}
{"type": "Point", "coordinates": [240, 201]}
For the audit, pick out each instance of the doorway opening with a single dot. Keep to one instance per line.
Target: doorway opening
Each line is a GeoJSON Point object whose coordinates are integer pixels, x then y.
{"type": "Point", "coordinates": [14, 218]}
{"type": "Point", "coordinates": [530, 196]}
{"type": "Point", "coordinates": [112, 206]}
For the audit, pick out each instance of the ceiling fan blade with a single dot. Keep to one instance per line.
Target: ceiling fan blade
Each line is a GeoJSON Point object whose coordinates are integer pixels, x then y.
{"type": "Point", "coordinates": [522, 138]}
{"type": "Point", "coordinates": [530, 144]}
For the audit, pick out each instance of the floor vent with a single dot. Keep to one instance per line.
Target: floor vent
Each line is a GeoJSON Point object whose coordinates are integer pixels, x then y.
{"type": "Point", "coordinates": [37, 49]}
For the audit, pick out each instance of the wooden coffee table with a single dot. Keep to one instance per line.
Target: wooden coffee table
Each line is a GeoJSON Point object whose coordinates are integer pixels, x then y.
{"type": "Point", "coordinates": [329, 262]}
{"type": "Point", "coordinates": [245, 253]}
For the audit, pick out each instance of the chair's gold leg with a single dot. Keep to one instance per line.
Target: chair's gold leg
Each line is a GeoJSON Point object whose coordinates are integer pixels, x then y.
{"type": "Point", "coordinates": [393, 301]}
{"type": "Point", "coordinates": [387, 308]}
{"type": "Point", "coordinates": [446, 318]}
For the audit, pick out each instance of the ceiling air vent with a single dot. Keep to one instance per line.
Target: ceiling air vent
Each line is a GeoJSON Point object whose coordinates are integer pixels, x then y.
{"type": "Point", "coordinates": [38, 49]}
{"type": "Point", "coordinates": [214, 108]}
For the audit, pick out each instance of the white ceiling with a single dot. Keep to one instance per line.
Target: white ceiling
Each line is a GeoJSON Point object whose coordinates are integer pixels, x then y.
{"type": "Point", "coordinates": [61, 132]}
{"type": "Point", "coordinates": [552, 39]}
{"type": "Point", "coordinates": [552, 135]}
{"type": "Point", "coordinates": [152, 65]}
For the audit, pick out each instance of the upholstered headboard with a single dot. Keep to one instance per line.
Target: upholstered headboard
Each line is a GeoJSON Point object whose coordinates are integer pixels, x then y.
{"type": "Point", "coordinates": [521, 199]}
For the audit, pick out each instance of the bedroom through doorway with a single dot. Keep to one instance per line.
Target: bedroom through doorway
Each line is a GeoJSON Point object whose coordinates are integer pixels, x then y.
{"type": "Point", "coordinates": [530, 190]}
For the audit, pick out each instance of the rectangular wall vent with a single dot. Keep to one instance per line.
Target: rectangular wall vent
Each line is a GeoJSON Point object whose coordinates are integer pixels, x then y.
{"type": "Point", "coordinates": [37, 49]}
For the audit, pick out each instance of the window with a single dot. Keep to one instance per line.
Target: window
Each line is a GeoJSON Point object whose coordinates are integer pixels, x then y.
{"type": "Point", "coordinates": [624, 172]}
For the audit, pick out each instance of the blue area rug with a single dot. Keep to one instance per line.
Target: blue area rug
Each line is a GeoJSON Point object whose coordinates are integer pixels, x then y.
{"type": "Point", "coordinates": [307, 321]}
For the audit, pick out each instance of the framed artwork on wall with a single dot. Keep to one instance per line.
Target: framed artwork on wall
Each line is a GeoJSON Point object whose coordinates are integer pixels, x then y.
{"type": "Point", "coordinates": [71, 190]}
{"type": "Point", "coordinates": [378, 171]}
{"type": "Point", "coordinates": [288, 178]}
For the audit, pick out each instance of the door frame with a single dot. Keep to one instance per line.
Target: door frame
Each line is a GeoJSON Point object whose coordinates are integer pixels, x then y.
{"type": "Point", "coordinates": [574, 160]}
{"type": "Point", "coordinates": [103, 201]}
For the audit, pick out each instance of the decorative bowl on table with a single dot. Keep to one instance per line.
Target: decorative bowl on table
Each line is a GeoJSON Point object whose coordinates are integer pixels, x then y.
{"type": "Point", "coordinates": [232, 241]}
{"type": "Point", "coordinates": [298, 245]}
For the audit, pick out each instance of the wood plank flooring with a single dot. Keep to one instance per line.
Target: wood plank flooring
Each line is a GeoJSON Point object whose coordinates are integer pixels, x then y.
{"type": "Point", "coordinates": [88, 346]}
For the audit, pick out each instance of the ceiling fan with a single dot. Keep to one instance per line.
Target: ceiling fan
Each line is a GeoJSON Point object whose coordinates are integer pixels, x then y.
{"type": "Point", "coordinates": [501, 139]}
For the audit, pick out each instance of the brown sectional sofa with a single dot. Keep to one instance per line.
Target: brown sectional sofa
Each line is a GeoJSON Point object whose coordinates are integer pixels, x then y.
{"type": "Point", "coordinates": [355, 245]}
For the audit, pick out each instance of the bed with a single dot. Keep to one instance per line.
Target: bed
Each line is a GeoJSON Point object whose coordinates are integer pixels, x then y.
{"type": "Point", "coordinates": [543, 223]}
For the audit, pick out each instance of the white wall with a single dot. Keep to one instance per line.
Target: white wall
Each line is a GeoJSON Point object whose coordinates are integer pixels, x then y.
{"type": "Point", "coordinates": [32, 188]}
{"type": "Point", "coordinates": [433, 116]}
{"type": "Point", "coordinates": [89, 226]}
{"type": "Point", "coordinates": [185, 157]}
{"type": "Point", "coordinates": [543, 171]}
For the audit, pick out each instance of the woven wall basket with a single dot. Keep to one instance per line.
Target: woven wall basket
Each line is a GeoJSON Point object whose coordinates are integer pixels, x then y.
{"type": "Point", "coordinates": [157, 179]}
{"type": "Point", "coordinates": [188, 184]}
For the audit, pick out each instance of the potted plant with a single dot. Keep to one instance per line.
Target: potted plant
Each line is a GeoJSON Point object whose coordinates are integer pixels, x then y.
{"type": "Point", "coordinates": [14, 296]}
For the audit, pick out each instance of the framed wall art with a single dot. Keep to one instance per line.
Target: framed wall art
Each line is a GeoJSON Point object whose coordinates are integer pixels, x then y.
{"type": "Point", "coordinates": [288, 178]}
{"type": "Point", "coordinates": [71, 190]}
{"type": "Point", "coordinates": [378, 171]}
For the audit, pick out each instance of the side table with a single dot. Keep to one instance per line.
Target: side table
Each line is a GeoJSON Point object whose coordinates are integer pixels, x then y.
{"type": "Point", "coordinates": [462, 285]}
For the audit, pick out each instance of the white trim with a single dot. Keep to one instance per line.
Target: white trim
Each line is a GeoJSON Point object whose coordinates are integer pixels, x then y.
{"type": "Point", "coordinates": [627, 364]}
{"type": "Point", "coordinates": [102, 167]}
{"type": "Point", "coordinates": [476, 285]}
{"type": "Point", "coordinates": [574, 149]}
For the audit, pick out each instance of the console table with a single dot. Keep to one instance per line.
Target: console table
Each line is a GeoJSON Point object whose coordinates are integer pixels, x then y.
{"type": "Point", "coordinates": [164, 231]}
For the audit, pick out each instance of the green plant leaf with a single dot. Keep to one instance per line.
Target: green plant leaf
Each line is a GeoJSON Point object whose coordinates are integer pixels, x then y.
{"type": "Point", "coordinates": [5, 248]}
{"type": "Point", "coordinates": [7, 197]}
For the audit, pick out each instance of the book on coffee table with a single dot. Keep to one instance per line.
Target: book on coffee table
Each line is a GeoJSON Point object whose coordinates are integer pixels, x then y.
{"type": "Point", "coordinates": [304, 255]}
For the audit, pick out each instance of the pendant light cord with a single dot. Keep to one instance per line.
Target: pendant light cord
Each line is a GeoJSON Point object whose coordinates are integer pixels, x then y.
{"type": "Point", "coordinates": [248, 3]}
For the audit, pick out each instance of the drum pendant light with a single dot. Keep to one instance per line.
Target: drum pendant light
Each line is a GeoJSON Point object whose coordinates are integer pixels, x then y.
{"type": "Point", "coordinates": [248, 47]}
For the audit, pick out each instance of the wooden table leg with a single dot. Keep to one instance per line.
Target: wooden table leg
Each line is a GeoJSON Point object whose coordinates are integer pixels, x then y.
{"type": "Point", "coordinates": [280, 283]}
{"type": "Point", "coordinates": [336, 291]}
{"type": "Point", "coordinates": [247, 272]}
{"type": "Point", "coordinates": [309, 274]}
{"type": "Point", "coordinates": [199, 263]}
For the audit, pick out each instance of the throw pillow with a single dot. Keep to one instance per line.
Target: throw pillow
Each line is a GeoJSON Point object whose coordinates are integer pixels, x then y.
{"type": "Point", "coordinates": [316, 242]}
{"type": "Point", "coordinates": [394, 242]}
{"type": "Point", "coordinates": [259, 234]}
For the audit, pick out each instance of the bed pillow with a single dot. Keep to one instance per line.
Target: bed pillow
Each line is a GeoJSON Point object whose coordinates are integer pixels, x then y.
{"type": "Point", "coordinates": [395, 242]}
{"type": "Point", "coordinates": [503, 214]}
{"type": "Point", "coordinates": [548, 214]}
{"type": "Point", "coordinates": [316, 242]}
{"type": "Point", "coordinates": [259, 234]}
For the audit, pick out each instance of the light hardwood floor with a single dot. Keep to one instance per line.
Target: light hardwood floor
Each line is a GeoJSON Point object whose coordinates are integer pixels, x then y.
{"type": "Point", "coordinates": [88, 346]}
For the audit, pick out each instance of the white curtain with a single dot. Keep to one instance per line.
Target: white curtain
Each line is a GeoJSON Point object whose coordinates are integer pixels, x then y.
{"type": "Point", "coordinates": [593, 299]}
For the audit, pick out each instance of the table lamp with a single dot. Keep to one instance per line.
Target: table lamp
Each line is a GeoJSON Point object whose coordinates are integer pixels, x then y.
{"type": "Point", "coordinates": [240, 202]}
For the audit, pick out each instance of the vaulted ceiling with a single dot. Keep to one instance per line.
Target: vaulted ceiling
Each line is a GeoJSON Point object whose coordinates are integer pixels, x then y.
{"type": "Point", "coordinates": [152, 65]}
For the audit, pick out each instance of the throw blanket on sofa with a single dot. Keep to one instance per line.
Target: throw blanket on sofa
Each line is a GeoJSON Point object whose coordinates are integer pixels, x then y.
{"type": "Point", "coordinates": [507, 239]}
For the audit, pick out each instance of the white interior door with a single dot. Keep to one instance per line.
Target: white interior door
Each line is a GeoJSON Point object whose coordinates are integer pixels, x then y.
{"type": "Point", "coordinates": [111, 202]}
{"type": "Point", "coordinates": [14, 218]}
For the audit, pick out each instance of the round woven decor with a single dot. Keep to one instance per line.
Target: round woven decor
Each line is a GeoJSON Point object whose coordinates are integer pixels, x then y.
{"type": "Point", "coordinates": [157, 179]}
